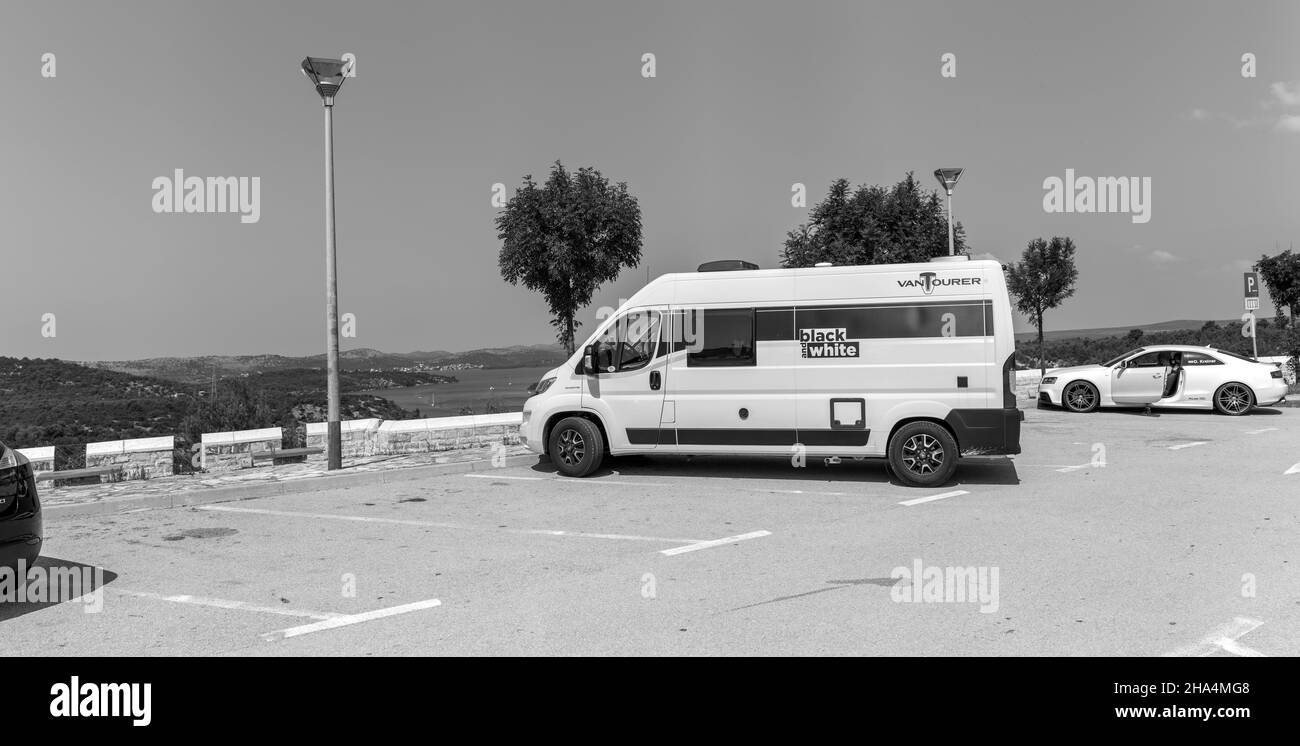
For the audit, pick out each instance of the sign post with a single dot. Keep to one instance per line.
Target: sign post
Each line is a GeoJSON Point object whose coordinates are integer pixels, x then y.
{"type": "Point", "coordinates": [1251, 290]}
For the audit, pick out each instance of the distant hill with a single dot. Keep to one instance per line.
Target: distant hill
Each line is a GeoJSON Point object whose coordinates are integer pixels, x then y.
{"type": "Point", "coordinates": [197, 370]}
{"type": "Point", "coordinates": [1119, 331]}
{"type": "Point", "coordinates": [55, 402]}
{"type": "Point", "coordinates": [49, 402]}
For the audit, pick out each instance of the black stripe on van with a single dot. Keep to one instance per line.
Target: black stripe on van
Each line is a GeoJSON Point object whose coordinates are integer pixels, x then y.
{"type": "Point", "coordinates": [879, 320]}
{"type": "Point", "coordinates": [746, 437]}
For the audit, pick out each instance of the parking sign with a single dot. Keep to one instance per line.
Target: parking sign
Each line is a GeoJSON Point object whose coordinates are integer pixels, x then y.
{"type": "Point", "coordinates": [1252, 284]}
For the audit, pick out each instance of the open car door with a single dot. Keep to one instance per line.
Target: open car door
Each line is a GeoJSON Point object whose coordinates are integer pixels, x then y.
{"type": "Point", "coordinates": [1139, 380]}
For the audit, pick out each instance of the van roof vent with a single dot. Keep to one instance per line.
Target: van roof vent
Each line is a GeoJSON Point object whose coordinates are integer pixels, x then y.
{"type": "Point", "coordinates": [726, 265]}
{"type": "Point", "coordinates": [824, 264]}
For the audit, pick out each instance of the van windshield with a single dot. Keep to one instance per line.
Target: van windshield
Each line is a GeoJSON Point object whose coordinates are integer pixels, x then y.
{"type": "Point", "coordinates": [1114, 360]}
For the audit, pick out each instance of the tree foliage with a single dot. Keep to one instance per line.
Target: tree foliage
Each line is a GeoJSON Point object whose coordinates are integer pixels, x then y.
{"type": "Point", "coordinates": [566, 238]}
{"type": "Point", "coordinates": [873, 225]}
{"type": "Point", "coordinates": [1042, 279]}
{"type": "Point", "coordinates": [1281, 275]}
{"type": "Point", "coordinates": [1068, 351]}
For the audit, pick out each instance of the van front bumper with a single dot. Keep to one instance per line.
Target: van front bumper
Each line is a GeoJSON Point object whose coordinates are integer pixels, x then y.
{"type": "Point", "coordinates": [530, 432]}
{"type": "Point", "coordinates": [987, 431]}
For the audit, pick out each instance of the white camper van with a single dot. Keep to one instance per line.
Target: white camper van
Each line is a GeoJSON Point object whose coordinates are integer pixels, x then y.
{"type": "Point", "coordinates": [909, 362]}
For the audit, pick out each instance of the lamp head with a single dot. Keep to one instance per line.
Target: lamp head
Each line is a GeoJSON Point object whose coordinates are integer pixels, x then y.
{"type": "Point", "coordinates": [326, 74]}
{"type": "Point", "coordinates": [948, 177]}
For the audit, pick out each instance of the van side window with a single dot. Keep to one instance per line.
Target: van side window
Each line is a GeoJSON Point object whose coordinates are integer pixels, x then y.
{"type": "Point", "coordinates": [725, 337]}
{"type": "Point", "coordinates": [637, 339]}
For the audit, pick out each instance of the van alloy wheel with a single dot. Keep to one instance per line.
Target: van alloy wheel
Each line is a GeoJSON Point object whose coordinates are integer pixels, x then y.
{"type": "Point", "coordinates": [922, 454]}
{"type": "Point", "coordinates": [576, 446]}
{"type": "Point", "coordinates": [572, 447]}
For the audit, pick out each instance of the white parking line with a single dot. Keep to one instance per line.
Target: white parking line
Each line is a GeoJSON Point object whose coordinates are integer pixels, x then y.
{"type": "Point", "coordinates": [1068, 469]}
{"type": "Point", "coordinates": [502, 476]}
{"type": "Point", "coordinates": [932, 498]}
{"type": "Point", "coordinates": [1261, 430]}
{"type": "Point", "coordinates": [1224, 638]}
{"type": "Point", "coordinates": [588, 481]}
{"type": "Point", "coordinates": [792, 492]}
{"type": "Point", "coordinates": [1181, 446]}
{"type": "Point", "coordinates": [350, 619]}
{"type": "Point", "coordinates": [221, 603]}
{"type": "Point", "coordinates": [436, 524]}
{"type": "Point", "coordinates": [698, 545]}
{"type": "Point", "coordinates": [1293, 470]}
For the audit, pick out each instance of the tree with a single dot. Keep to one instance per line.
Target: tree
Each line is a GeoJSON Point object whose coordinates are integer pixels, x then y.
{"type": "Point", "coordinates": [232, 405]}
{"type": "Point", "coordinates": [873, 225]}
{"type": "Point", "coordinates": [566, 238]}
{"type": "Point", "coordinates": [1281, 275]}
{"type": "Point", "coordinates": [1042, 280]}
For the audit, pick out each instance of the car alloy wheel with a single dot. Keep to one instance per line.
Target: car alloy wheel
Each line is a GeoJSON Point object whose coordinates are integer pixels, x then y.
{"type": "Point", "coordinates": [1080, 396]}
{"type": "Point", "coordinates": [1234, 399]}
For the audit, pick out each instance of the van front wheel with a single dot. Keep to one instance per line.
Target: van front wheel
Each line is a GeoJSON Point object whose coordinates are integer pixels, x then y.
{"type": "Point", "coordinates": [576, 447]}
{"type": "Point", "coordinates": [923, 454]}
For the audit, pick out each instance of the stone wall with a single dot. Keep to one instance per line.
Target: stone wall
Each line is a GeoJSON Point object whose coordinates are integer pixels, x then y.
{"type": "Point", "coordinates": [1027, 384]}
{"type": "Point", "coordinates": [359, 437]}
{"type": "Point", "coordinates": [448, 433]}
{"type": "Point", "coordinates": [140, 458]}
{"type": "Point", "coordinates": [228, 451]}
{"type": "Point", "coordinates": [42, 458]}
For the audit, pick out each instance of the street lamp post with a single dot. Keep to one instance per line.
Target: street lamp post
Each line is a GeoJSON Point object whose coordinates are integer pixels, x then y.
{"type": "Point", "coordinates": [328, 75]}
{"type": "Point", "coordinates": [948, 178]}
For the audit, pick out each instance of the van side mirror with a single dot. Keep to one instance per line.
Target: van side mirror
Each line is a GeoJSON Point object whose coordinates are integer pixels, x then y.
{"type": "Point", "coordinates": [589, 359]}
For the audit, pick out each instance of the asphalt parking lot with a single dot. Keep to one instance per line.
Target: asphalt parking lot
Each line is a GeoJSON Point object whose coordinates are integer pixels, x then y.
{"type": "Point", "coordinates": [1112, 534]}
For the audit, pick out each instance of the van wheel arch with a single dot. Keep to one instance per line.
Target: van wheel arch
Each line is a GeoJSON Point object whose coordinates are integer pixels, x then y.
{"type": "Point", "coordinates": [899, 425]}
{"type": "Point", "coordinates": [555, 419]}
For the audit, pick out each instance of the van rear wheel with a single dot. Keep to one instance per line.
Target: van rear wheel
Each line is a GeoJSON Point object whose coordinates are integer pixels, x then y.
{"type": "Point", "coordinates": [923, 454]}
{"type": "Point", "coordinates": [576, 447]}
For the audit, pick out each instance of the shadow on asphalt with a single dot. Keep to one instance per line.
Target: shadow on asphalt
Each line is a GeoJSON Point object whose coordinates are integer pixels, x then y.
{"type": "Point", "coordinates": [50, 582]}
{"type": "Point", "coordinates": [1158, 412]}
{"type": "Point", "coordinates": [997, 470]}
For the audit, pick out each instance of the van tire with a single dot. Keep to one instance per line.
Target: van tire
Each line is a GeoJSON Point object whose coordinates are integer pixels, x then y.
{"type": "Point", "coordinates": [931, 450]}
{"type": "Point", "coordinates": [576, 447]}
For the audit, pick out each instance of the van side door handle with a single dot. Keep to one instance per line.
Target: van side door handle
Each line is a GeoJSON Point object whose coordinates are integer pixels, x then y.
{"type": "Point", "coordinates": [655, 380]}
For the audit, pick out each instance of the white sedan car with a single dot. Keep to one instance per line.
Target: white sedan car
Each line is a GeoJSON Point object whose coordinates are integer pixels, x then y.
{"type": "Point", "coordinates": [1181, 376]}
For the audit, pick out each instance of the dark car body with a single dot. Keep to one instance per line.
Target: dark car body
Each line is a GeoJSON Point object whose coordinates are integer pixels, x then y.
{"type": "Point", "coordinates": [20, 510]}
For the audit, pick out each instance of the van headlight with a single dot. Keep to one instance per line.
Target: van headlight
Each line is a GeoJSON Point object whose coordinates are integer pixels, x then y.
{"type": "Point", "coordinates": [1048, 381]}
{"type": "Point", "coordinates": [541, 386]}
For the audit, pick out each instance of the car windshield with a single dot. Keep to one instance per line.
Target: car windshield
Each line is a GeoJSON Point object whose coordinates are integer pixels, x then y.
{"type": "Point", "coordinates": [1114, 360]}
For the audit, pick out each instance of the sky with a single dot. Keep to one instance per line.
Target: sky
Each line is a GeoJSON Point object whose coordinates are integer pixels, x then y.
{"type": "Point", "coordinates": [748, 99]}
